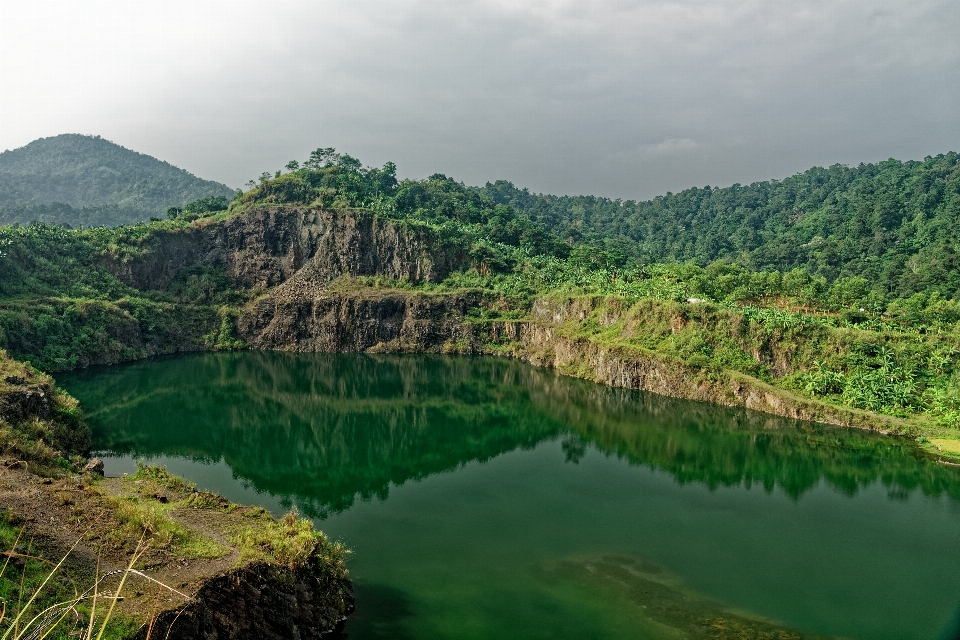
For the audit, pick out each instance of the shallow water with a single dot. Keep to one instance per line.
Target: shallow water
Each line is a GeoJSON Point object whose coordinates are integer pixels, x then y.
{"type": "Point", "coordinates": [485, 498]}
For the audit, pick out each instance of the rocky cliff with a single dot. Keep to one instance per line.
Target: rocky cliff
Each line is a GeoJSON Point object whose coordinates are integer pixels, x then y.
{"type": "Point", "coordinates": [635, 368]}
{"type": "Point", "coordinates": [270, 245]}
{"type": "Point", "coordinates": [302, 265]}
{"type": "Point", "coordinates": [392, 321]}
{"type": "Point", "coordinates": [365, 319]}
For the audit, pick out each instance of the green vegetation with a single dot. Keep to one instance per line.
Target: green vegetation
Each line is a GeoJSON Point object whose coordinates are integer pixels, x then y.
{"type": "Point", "coordinates": [48, 435]}
{"type": "Point", "coordinates": [62, 308]}
{"type": "Point", "coordinates": [290, 541]}
{"type": "Point", "coordinates": [894, 223]}
{"type": "Point", "coordinates": [838, 284]}
{"type": "Point", "coordinates": [497, 236]}
{"type": "Point", "coordinates": [864, 314]}
{"type": "Point", "coordinates": [199, 208]}
{"type": "Point", "coordinates": [902, 363]}
{"type": "Point", "coordinates": [42, 599]}
{"type": "Point", "coordinates": [85, 181]}
{"type": "Point", "coordinates": [143, 510]}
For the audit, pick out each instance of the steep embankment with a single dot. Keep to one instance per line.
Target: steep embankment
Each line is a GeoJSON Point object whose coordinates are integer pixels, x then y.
{"type": "Point", "coordinates": [102, 296]}
{"type": "Point", "coordinates": [555, 336]}
{"type": "Point", "coordinates": [297, 247]}
{"type": "Point", "coordinates": [552, 336]}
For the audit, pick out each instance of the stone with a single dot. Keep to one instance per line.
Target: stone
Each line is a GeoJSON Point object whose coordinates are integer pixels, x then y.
{"type": "Point", "coordinates": [94, 467]}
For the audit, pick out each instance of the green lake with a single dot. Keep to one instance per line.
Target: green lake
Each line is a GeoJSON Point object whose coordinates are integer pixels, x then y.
{"type": "Point", "coordinates": [485, 498]}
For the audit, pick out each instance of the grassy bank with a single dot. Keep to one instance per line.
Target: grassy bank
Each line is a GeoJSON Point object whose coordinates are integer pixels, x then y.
{"type": "Point", "coordinates": [177, 537]}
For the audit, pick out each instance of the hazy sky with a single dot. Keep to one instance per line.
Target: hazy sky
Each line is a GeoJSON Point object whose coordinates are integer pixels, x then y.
{"type": "Point", "coordinates": [612, 97]}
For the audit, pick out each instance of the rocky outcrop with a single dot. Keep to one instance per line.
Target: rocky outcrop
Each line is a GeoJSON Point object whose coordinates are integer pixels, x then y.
{"type": "Point", "coordinates": [35, 412]}
{"type": "Point", "coordinates": [266, 246]}
{"type": "Point", "coordinates": [22, 398]}
{"type": "Point", "coordinates": [260, 601]}
{"type": "Point", "coordinates": [365, 320]}
{"type": "Point", "coordinates": [293, 254]}
{"type": "Point", "coordinates": [551, 339]}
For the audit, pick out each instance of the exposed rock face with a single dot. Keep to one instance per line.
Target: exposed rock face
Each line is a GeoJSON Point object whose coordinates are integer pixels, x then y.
{"type": "Point", "coordinates": [394, 321]}
{"type": "Point", "coordinates": [543, 342]}
{"type": "Point", "coordinates": [266, 246]}
{"type": "Point", "coordinates": [94, 467]}
{"type": "Point", "coordinates": [294, 253]}
{"type": "Point", "coordinates": [21, 399]}
{"type": "Point", "coordinates": [350, 322]}
{"type": "Point", "coordinates": [260, 601]}
{"type": "Point", "coordinates": [649, 372]}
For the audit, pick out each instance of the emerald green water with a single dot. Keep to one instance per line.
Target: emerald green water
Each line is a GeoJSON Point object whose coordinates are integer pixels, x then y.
{"type": "Point", "coordinates": [484, 498]}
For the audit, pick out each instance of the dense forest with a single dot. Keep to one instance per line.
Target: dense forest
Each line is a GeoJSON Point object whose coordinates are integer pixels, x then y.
{"type": "Point", "coordinates": [895, 223]}
{"type": "Point", "coordinates": [874, 325]}
{"type": "Point", "coordinates": [884, 231]}
{"type": "Point", "coordinates": [79, 180]}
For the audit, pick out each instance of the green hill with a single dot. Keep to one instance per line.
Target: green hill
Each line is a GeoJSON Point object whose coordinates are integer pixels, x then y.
{"type": "Point", "coordinates": [85, 180]}
{"type": "Point", "coordinates": [894, 223]}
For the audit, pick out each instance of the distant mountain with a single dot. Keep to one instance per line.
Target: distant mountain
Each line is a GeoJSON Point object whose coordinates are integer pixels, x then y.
{"type": "Point", "coordinates": [86, 180]}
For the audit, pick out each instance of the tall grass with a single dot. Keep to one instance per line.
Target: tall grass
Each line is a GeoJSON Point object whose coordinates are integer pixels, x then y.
{"type": "Point", "coordinates": [36, 608]}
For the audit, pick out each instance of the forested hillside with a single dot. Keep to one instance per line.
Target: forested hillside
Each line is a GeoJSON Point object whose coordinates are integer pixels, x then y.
{"type": "Point", "coordinates": [894, 223]}
{"type": "Point", "coordinates": [85, 180]}
{"type": "Point", "coordinates": [876, 327]}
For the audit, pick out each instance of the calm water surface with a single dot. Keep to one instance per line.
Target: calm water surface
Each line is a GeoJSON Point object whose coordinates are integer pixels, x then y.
{"type": "Point", "coordinates": [483, 498]}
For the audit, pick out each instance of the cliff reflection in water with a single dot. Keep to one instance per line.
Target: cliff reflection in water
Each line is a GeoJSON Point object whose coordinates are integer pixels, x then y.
{"type": "Point", "coordinates": [328, 428]}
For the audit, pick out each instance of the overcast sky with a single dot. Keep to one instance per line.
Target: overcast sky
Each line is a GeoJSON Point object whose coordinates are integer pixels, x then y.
{"type": "Point", "coordinates": [612, 97]}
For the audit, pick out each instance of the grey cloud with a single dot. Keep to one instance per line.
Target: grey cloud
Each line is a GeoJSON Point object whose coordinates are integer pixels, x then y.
{"type": "Point", "coordinates": [620, 98]}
